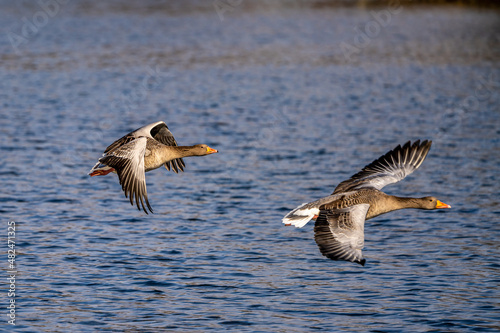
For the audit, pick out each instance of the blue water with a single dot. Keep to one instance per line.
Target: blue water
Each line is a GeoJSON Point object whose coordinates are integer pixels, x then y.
{"type": "Point", "coordinates": [269, 87]}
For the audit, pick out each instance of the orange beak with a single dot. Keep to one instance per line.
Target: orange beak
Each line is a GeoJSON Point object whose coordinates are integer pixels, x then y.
{"type": "Point", "coordinates": [440, 204]}
{"type": "Point", "coordinates": [211, 150]}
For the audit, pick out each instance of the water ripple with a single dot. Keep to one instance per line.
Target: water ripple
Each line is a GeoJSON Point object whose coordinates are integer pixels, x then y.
{"type": "Point", "coordinates": [292, 118]}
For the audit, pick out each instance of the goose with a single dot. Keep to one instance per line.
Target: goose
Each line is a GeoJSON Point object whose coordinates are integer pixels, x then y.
{"type": "Point", "coordinates": [340, 217]}
{"type": "Point", "coordinates": [143, 150]}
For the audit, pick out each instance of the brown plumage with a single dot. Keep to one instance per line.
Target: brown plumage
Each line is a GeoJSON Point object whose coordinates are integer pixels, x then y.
{"type": "Point", "coordinates": [143, 150]}
{"type": "Point", "coordinates": [340, 217]}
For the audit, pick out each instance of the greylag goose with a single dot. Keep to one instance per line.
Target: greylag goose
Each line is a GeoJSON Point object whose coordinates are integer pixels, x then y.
{"type": "Point", "coordinates": [340, 217]}
{"type": "Point", "coordinates": [143, 150]}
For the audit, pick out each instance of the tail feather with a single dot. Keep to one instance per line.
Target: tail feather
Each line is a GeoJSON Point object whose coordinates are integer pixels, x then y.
{"type": "Point", "coordinates": [300, 215]}
{"type": "Point", "coordinates": [95, 167]}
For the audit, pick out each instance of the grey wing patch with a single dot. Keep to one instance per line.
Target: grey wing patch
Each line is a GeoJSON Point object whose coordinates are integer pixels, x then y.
{"type": "Point", "coordinates": [388, 169]}
{"type": "Point", "coordinates": [339, 233]}
{"type": "Point", "coordinates": [162, 134]}
{"type": "Point", "coordinates": [128, 161]}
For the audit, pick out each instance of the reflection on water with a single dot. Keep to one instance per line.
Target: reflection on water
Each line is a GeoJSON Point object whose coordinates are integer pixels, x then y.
{"type": "Point", "coordinates": [272, 90]}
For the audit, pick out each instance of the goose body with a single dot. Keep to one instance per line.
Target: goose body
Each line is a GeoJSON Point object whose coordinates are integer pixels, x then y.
{"type": "Point", "coordinates": [340, 217]}
{"type": "Point", "coordinates": [143, 150]}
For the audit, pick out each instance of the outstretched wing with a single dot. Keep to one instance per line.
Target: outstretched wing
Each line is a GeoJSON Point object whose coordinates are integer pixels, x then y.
{"type": "Point", "coordinates": [120, 142]}
{"type": "Point", "coordinates": [388, 169]}
{"type": "Point", "coordinates": [162, 134]}
{"type": "Point", "coordinates": [141, 131]}
{"type": "Point", "coordinates": [339, 233]}
{"type": "Point", "coordinates": [128, 161]}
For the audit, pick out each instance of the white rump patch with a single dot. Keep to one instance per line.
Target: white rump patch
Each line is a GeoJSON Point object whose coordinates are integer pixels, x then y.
{"type": "Point", "coordinates": [300, 216]}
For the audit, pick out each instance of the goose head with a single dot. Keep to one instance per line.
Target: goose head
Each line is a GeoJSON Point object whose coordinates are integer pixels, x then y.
{"type": "Point", "coordinates": [202, 150]}
{"type": "Point", "coordinates": [432, 203]}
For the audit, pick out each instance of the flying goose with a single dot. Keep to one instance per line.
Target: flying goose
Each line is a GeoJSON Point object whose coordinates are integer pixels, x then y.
{"type": "Point", "coordinates": [340, 217]}
{"type": "Point", "coordinates": [143, 150]}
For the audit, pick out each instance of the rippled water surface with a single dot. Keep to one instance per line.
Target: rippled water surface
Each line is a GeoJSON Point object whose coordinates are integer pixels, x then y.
{"type": "Point", "coordinates": [272, 88]}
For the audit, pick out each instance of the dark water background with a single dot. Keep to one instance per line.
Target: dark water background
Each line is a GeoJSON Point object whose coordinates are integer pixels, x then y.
{"type": "Point", "coordinates": [292, 115]}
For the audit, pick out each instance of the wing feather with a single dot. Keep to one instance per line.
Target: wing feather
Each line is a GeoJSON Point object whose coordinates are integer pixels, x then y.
{"type": "Point", "coordinates": [388, 169]}
{"type": "Point", "coordinates": [339, 233]}
{"type": "Point", "coordinates": [128, 161]}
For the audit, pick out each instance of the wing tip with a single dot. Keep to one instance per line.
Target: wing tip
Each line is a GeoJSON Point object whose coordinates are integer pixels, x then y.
{"type": "Point", "coordinates": [175, 165]}
{"type": "Point", "coordinates": [144, 207]}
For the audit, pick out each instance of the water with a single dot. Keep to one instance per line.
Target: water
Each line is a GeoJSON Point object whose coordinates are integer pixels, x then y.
{"type": "Point", "coordinates": [292, 116]}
